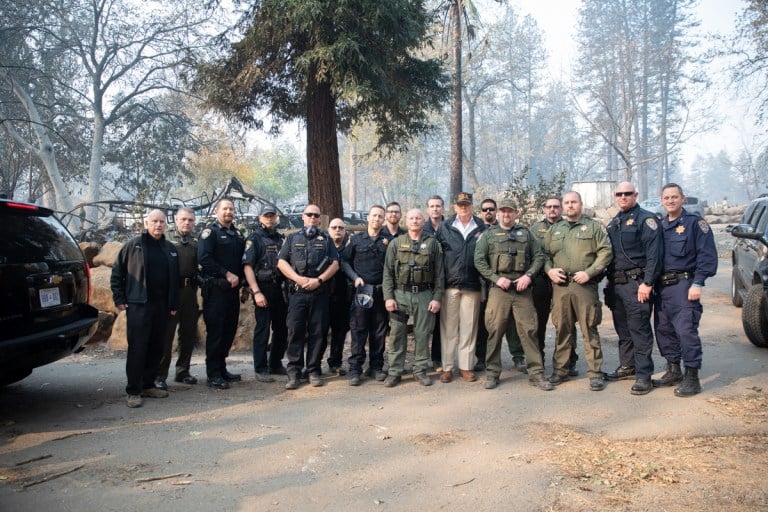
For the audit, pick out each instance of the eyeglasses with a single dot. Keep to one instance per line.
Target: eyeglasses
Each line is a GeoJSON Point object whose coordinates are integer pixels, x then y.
{"type": "Point", "coordinates": [336, 227]}
{"type": "Point", "coordinates": [396, 212]}
{"type": "Point", "coordinates": [624, 194]}
{"type": "Point", "coordinates": [312, 215]}
{"type": "Point", "coordinates": [547, 206]}
{"type": "Point", "coordinates": [491, 209]}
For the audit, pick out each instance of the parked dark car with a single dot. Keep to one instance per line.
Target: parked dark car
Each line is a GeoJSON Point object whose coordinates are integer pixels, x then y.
{"type": "Point", "coordinates": [749, 281]}
{"type": "Point", "coordinates": [44, 291]}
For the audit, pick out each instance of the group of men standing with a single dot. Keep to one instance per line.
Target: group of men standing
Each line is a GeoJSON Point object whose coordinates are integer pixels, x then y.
{"type": "Point", "coordinates": [464, 282]}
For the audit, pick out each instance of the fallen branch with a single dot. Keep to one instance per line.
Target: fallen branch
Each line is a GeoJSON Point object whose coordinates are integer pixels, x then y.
{"type": "Point", "coordinates": [461, 483]}
{"type": "Point", "coordinates": [71, 435]}
{"type": "Point", "coordinates": [48, 456]}
{"type": "Point", "coordinates": [153, 478]}
{"type": "Point", "coordinates": [52, 477]}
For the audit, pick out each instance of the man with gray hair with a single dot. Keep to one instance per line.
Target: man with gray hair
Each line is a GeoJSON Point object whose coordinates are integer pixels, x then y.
{"type": "Point", "coordinates": [144, 285]}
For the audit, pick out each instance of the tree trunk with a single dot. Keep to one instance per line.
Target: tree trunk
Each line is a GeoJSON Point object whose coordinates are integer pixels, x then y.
{"type": "Point", "coordinates": [94, 173]}
{"type": "Point", "coordinates": [352, 185]}
{"type": "Point", "coordinates": [44, 150]}
{"type": "Point", "coordinates": [456, 136]}
{"type": "Point", "coordinates": [324, 180]}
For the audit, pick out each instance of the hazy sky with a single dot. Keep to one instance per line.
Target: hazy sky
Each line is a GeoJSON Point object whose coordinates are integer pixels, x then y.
{"type": "Point", "coordinates": [558, 20]}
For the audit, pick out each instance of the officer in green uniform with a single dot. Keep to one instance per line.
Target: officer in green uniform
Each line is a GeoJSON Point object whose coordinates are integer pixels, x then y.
{"type": "Point", "coordinates": [413, 287]}
{"type": "Point", "coordinates": [577, 251]}
{"type": "Point", "coordinates": [508, 256]}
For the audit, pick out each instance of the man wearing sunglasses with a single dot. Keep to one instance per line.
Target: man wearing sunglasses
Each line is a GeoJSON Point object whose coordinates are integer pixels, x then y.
{"type": "Point", "coordinates": [488, 214]}
{"type": "Point", "coordinates": [308, 259]}
{"type": "Point", "coordinates": [638, 256]}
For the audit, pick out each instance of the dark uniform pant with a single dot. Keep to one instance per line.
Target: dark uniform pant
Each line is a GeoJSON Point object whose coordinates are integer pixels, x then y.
{"type": "Point", "coordinates": [221, 309]}
{"type": "Point", "coordinates": [338, 324]}
{"type": "Point", "coordinates": [145, 326]}
{"type": "Point", "coordinates": [307, 321]}
{"type": "Point", "coordinates": [274, 316]}
{"type": "Point", "coordinates": [632, 321]}
{"type": "Point", "coordinates": [677, 325]}
{"type": "Point", "coordinates": [371, 325]}
{"type": "Point", "coordinates": [186, 320]}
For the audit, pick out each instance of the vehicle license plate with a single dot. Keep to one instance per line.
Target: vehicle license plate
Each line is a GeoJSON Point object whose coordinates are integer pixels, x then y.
{"type": "Point", "coordinates": [49, 297]}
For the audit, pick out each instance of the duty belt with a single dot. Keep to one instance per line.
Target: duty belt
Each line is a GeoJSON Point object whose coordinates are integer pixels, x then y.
{"type": "Point", "coordinates": [624, 276]}
{"type": "Point", "coordinates": [414, 288]}
{"type": "Point", "coordinates": [671, 278]}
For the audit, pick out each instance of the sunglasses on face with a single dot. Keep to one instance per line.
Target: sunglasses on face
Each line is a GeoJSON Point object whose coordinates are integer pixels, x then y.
{"type": "Point", "coordinates": [551, 206]}
{"type": "Point", "coordinates": [336, 227]}
{"type": "Point", "coordinates": [312, 215]}
{"type": "Point", "coordinates": [489, 209]}
{"type": "Point", "coordinates": [624, 194]}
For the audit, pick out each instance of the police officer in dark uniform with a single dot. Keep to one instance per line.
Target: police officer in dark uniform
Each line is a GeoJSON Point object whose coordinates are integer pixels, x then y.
{"type": "Point", "coordinates": [363, 263]}
{"type": "Point", "coordinates": [220, 255]}
{"type": "Point", "coordinates": [308, 259]}
{"type": "Point", "coordinates": [265, 283]}
{"type": "Point", "coordinates": [690, 257]}
{"type": "Point", "coordinates": [638, 252]}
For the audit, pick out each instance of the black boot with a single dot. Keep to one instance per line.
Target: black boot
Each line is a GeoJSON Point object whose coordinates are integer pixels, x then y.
{"type": "Point", "coordinates": [691, 385]}
{"type": "Point", "coordinates": [673, 376]}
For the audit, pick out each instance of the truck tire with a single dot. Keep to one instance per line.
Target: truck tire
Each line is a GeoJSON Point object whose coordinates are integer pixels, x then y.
{"type": "Point", "coordinates": [754, 316]}
{"type": "Point", "coordinates": [736, 289]}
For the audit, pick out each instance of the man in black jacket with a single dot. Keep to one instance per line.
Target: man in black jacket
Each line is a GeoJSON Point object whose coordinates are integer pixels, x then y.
{"type": "Point", "coordinates": [461, 301]}
{"type": "Point", "coordinates": [144, 284]}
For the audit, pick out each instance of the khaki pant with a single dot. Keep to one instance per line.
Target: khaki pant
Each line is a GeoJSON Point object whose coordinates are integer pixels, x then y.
{"type": "Point", "coordinates": [501, 305]}
{"type": "Point", "coordinates": [573, 304]}
{"type": "Point", "coordinates": [458, 328]}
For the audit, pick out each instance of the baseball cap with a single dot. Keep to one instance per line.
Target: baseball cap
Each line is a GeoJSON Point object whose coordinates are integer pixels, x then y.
{"type": "Point", "coordinates": [364, 296]}
{"type": "Point", "coordinates": [463, 197]}
{"type": "Point", "coordinates": [508, 202]}
{"type": "Point", "coordinates": [268, 208]}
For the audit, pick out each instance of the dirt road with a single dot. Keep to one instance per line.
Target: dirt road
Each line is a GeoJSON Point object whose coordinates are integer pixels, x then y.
{"type": "Point", "coordinates": [68, 442]}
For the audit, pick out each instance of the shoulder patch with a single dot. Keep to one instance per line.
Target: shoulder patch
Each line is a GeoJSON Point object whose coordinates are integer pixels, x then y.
{"type": "Point", "coordinates": [248, 244]}
{"type": "Point", "coordinates": [651, 223]}
{"type": "Point", "coordinates": [206, 233]}
{"type": "Point", "coordinates": [703, 226]}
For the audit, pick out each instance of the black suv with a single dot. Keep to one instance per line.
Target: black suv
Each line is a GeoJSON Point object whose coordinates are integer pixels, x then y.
{"type": "Point", "coordinates": [749, 281]}
{"type": "Point", "coordinates": [44, 290]}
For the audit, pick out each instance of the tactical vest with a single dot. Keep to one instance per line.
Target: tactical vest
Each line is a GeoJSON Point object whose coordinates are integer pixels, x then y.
{"type": "Point", "coordinates": [309, 256]}
{"type": "Point", "coordinates": [412, 266]}
{"type": "Point", "coordinates": [508, 251]}
{"type": "Point", "coordinates": [266, 271]}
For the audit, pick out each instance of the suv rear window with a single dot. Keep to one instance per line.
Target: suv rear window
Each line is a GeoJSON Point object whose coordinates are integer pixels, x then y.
{"type": "Point", "coordinates": [35, 239]}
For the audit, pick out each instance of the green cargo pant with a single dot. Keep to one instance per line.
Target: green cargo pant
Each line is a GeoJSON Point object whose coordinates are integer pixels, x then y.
{"type": "Point", "coordinates": [410, 305]}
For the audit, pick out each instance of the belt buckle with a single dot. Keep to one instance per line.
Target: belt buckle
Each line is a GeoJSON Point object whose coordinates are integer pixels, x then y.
{"type": "Point", "coordinates": [414, 289]}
